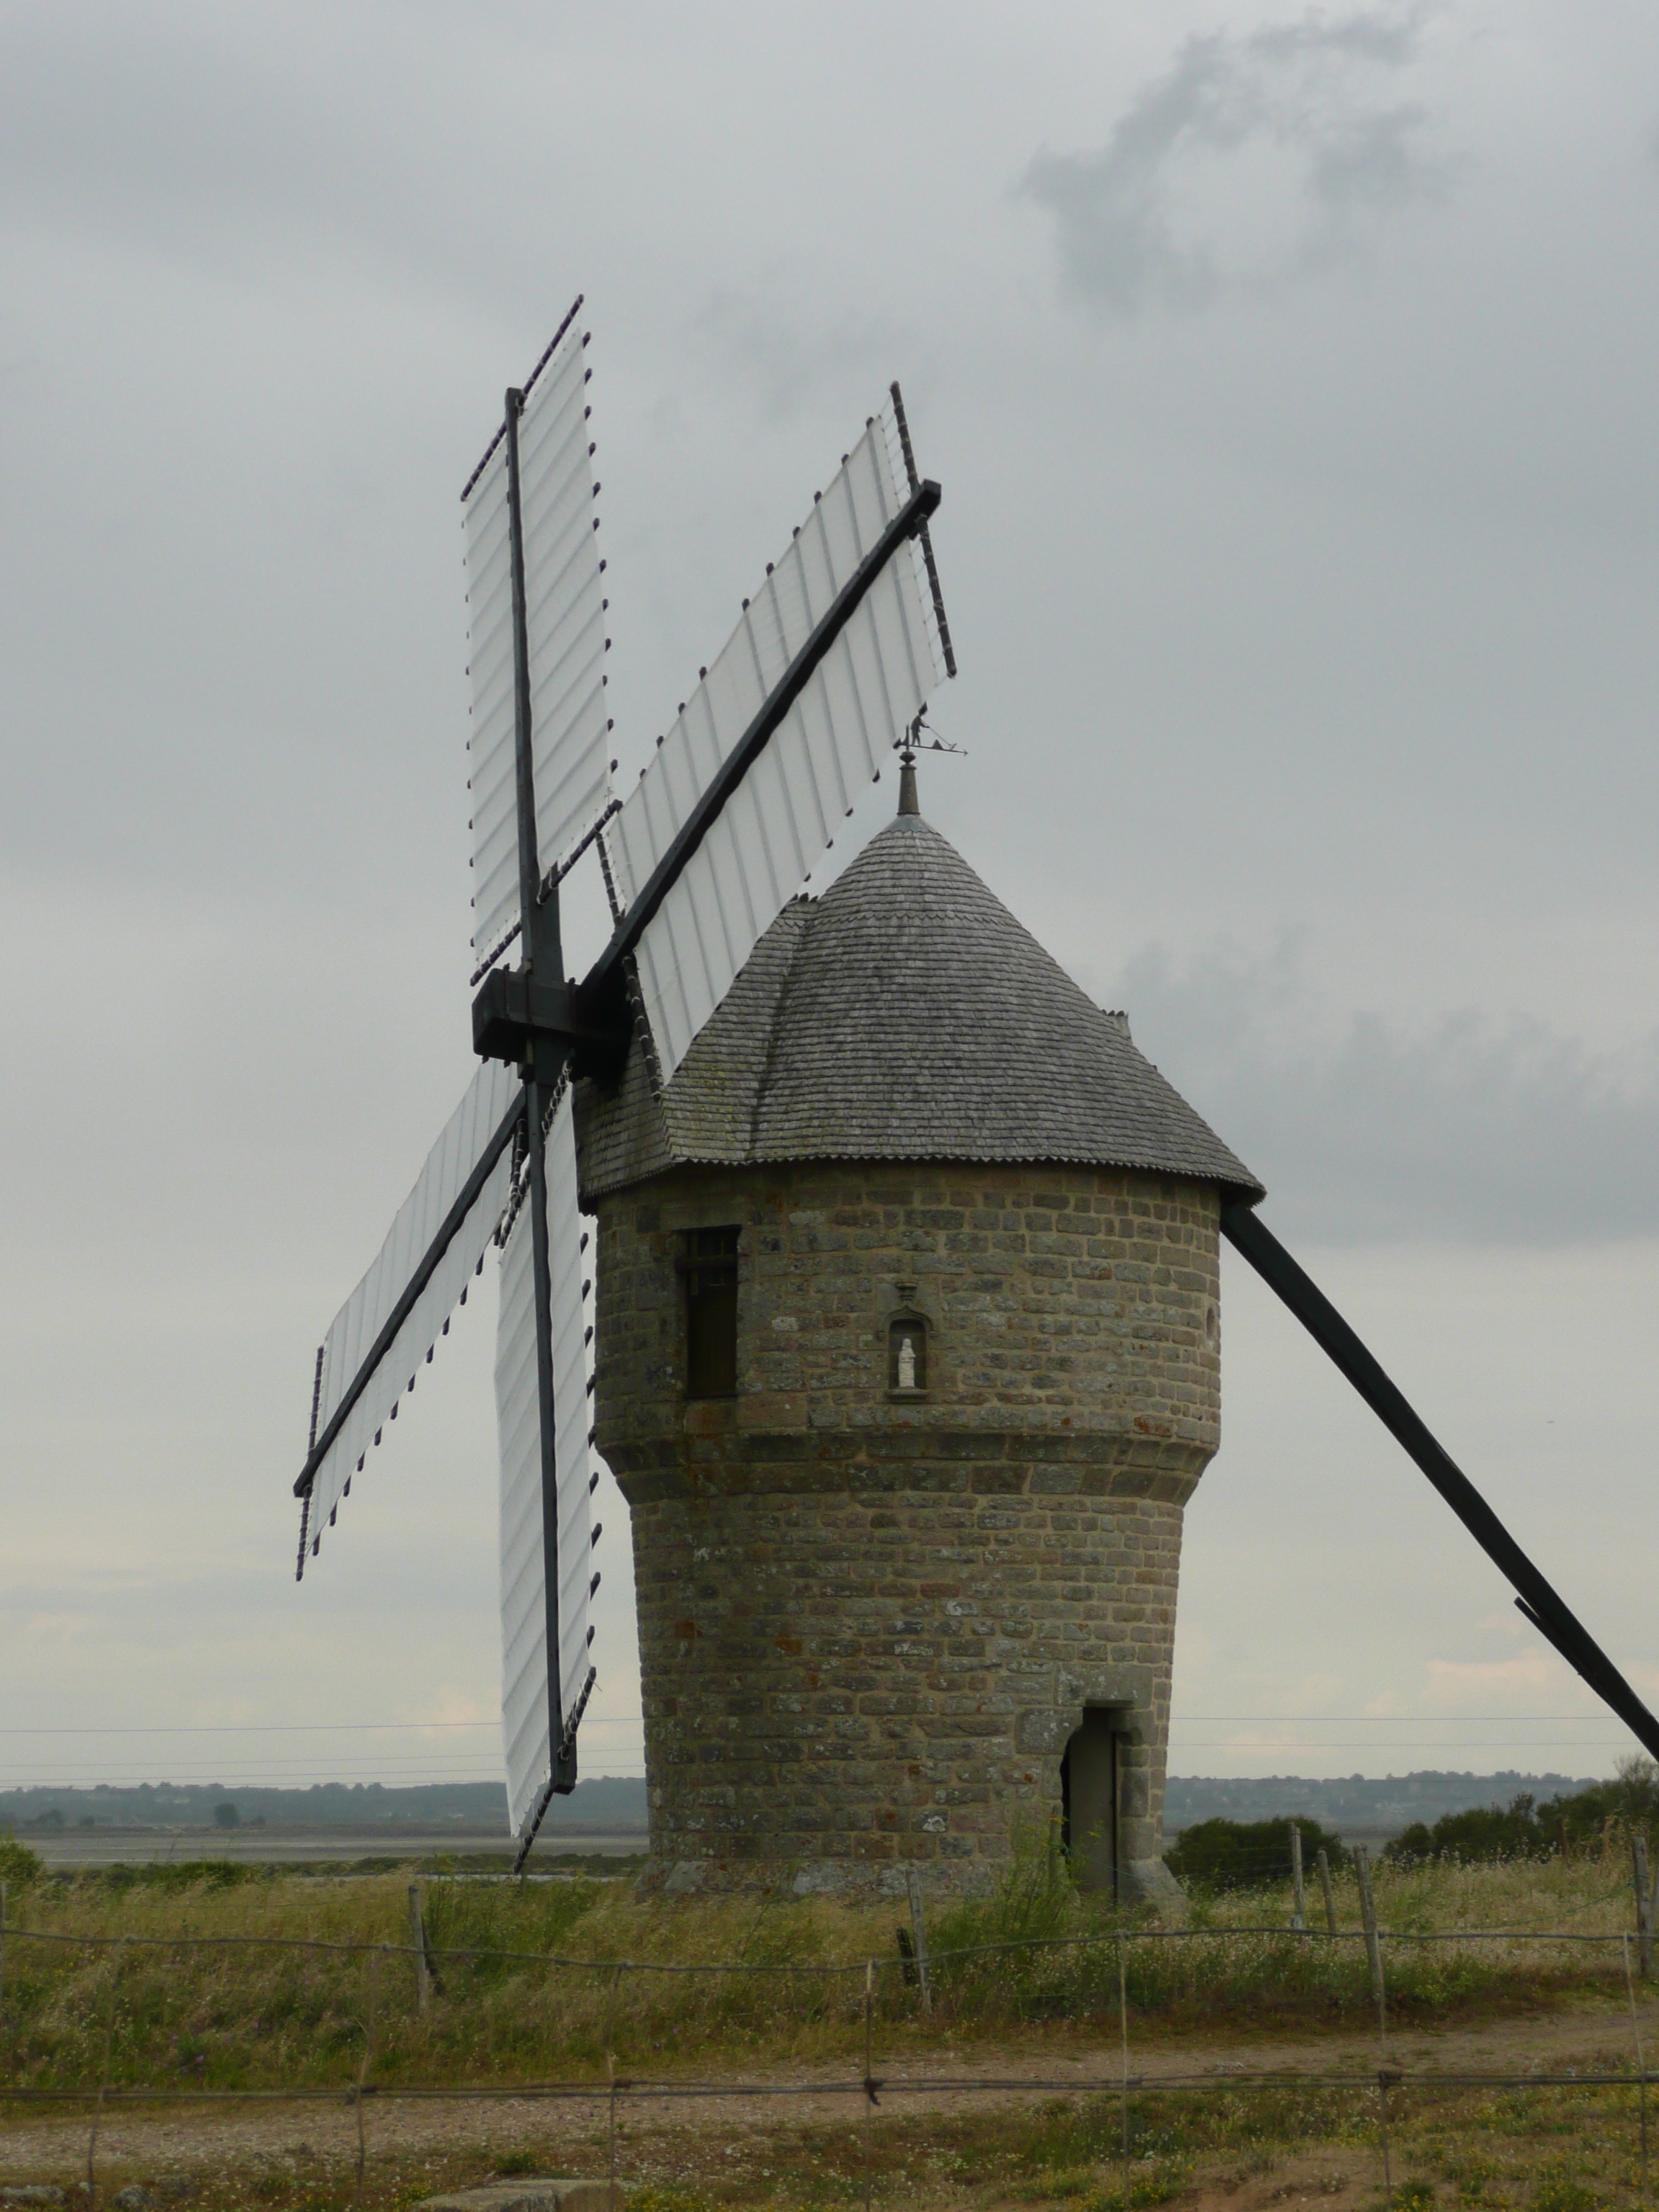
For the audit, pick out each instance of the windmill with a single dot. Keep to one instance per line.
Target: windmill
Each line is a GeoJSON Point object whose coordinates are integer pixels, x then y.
{"type": "Point", "coordinates": [828, 671]}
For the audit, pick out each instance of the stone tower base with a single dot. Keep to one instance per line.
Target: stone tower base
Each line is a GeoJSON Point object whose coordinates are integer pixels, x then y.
{"type": "Point", "coordinates": [849, 1685]}
{"type": "Point", "coordinates": [885, 1632]}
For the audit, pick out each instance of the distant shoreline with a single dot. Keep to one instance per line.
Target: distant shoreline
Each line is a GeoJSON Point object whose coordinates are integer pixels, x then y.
{"type": "Point", "coordinates": [606, 1815]}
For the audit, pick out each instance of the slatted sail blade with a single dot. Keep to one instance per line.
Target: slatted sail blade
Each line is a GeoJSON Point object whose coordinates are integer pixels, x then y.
{"type": "Point", "coordinates": [564, 608]}
{"type": "Point", "coordinates": [774, 830]}
{"type": "Point", "coordinates": [525, 1717]}
{"type": "Point", "coordinates": [525, 1702]}
{"type": "Point", "coordinates": [564, 622]}
{"type": "Point", "coordinates": [361, 1321]}
{"type": "Point", "coordinates": [571, 1405]}
{"type": "Point", "coordinates": [491, 763]}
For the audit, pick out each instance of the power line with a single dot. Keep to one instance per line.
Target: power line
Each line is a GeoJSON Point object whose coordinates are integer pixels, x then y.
{"type": "Point", "coordinates": [294, 1728]}
{"type": "Point", "coordinates": [328, 1773]}
{"type": "Point", "coordinates": [1236, 1742]}
{"type": "Point", "coordinates": [254, 1778]}
{"type": "Point", "coordinates": [616, 1720]}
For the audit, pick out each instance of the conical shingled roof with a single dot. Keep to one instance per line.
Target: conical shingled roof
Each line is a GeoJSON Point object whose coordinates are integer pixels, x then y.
{"type": "Point", "coordinates": [904, 1015]}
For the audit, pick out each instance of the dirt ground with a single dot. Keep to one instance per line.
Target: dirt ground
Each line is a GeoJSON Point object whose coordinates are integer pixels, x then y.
{"type": "Point", "coordinates": [678, 2140]}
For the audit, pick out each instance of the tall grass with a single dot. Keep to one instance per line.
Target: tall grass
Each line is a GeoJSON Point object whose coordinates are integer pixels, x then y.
{"type": "Point", "coordinates": [539, 1980]}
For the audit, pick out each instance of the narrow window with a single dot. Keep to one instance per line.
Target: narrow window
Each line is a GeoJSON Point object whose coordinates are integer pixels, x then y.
{"type": "Point", "coordinates": [711, 1314]}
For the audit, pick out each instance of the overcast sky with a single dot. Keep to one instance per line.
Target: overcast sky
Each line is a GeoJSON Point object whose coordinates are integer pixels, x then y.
{"type": "Point", "coordinates": [1290, 377]}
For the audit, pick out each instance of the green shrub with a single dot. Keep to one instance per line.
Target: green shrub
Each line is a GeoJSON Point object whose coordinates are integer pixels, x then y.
{"type": "Point", "coordinates": [1560, 2194]}
{"type": "Point", "coordinates": [1480, 1834]}
{"type": "Point", "coordinates": [1523, 1829]}
{"type": "Point", "coordinates": [1216, 1855]}
{"type": "Point", "coordinates": [1034, 1900]}
{"type": "Point", "coordinates": [19, 1865]}
{"type": "Point", "coordinates": [1156, 2185]}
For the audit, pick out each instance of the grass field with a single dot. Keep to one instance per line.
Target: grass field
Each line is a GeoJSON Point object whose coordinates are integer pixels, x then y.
{"type": "Point", "coordinates": [529, 1985]}
{"type": "Point", "coordinates": [540, 1982]}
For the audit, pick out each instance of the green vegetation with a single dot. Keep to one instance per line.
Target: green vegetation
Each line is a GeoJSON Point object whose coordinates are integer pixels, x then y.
{"type": "Point", "coordinates": [1220, 1854]}
{"type": "Point", "coordinates": [19, 1866]}
{"type": "Point", "coordinates": [529, 1988]}
{"type": "Point", "coordinates": [1592, 1819]}
{"type": "Point", "coordinates": [528, 1983]}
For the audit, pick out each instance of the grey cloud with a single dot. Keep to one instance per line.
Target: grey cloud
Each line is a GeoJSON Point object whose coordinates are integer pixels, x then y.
{"type": "Point", "coordinates": [786, 351]}
{"type": "Point", "coordinates": [243, 145]}
{"type": "Point", "coordinates": [1311, 91]}
{"type": "Point", "coordinates": [1506, 1131]}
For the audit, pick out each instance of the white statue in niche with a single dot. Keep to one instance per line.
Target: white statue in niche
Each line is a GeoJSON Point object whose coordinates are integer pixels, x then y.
{"type": "Point", "coordinates": [906, 1364]}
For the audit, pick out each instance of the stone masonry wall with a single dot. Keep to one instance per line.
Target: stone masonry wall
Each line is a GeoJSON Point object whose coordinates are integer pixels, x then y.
{"type": "Point", "coordinates": [869, 1622]}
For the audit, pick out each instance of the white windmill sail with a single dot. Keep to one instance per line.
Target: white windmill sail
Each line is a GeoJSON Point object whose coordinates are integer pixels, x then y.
{"type": "Point", "coordinates": [771, 833]}
{"type": "Point", "coordinates": [524, 1701]}
{"type": "Point", "coordinates": [361, 1320]}
{"type": "Point", "coordinates": [824, 676]}
{"type": "Point", "coordinates": [565, 621]}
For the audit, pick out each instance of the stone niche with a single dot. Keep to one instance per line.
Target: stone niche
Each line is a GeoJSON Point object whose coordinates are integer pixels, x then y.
{"type": "Point", "coordinates": [885, 1626]}
{"type": "Point", "coordinates": [907, 1352]}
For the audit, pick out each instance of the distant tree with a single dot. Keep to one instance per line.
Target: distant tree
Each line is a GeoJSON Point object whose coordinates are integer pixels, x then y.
{"type": "Point", "coordinates": [1628, 1802]}
{"type": "Point", "coordinates": [1524, 1829]}
{"type": "Point", "coordinates": [1482, 1834]}
{"type": "Point", "coordinates": [226, 1816]}
{"type": "Point", "coordinates": [1248, 1854]}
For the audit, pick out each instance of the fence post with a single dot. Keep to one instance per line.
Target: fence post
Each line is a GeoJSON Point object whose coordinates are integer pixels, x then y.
{"type": "Point", "coordinates": [103, 2079]}
{"type": "Point", "coordinates": [610, 2072]}
{"type": "Point", "coordinates": [1639, 1844]}
{"type": "Point", "coordinates": [1299, 1896]}
{"type": "Point", "coordinates": [919, 1937]}
{"type": "Point", "coordinates": [1641, 2060]}
{"type": "Point", "coordinates": [869, 2079]}
{"type": "Point", "coordinates": [1383, 2078]}
{"type": "Point", "coordinates": [363, 2071]}
{"type": "Point", "coordinates": [3, 1949]}
{"type": "Point", "coordinates": [1362, 1867]}
{"type": "Point", "coordinates": [417, 1940]}
{"type": "Point", "coordinates": [1123, 2029]}
{"type": "Point", "coordinates": [1324, 1866]}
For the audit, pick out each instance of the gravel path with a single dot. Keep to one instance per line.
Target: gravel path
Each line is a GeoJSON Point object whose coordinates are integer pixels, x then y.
{"type": "Point", "coordinates": [52, 2146]}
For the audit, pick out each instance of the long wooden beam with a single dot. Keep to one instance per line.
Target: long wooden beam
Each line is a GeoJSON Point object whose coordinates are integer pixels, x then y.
{"type": "Point", "coordinates": [1537, 1599]}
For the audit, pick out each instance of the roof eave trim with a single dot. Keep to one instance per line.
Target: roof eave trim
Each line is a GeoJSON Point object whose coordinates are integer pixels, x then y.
{"type": "Point", "coordinates": [1244, 1184]}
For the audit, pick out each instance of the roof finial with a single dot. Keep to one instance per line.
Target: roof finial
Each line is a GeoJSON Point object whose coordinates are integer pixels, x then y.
{"type": "Point", "coordinates": [907, 803]}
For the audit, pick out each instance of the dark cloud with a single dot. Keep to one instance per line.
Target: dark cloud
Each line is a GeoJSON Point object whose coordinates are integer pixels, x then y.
{"type": "Point", "coordinates": [1469, 1130]}
{"type": "Point", "coordinates": [1144, 220]}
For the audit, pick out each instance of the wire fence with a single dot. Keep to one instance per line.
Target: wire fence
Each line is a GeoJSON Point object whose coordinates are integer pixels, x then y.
{"type": "Point", "coordinates": [1117, 1975]}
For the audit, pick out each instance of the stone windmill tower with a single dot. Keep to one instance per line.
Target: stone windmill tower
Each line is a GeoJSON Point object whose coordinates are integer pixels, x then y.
{"type": "Point", "coordinates": [908, 1359]}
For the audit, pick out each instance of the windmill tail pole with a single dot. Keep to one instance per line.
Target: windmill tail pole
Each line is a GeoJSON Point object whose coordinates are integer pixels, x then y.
{"type": "Point", "coordinates": [1547, 1612]}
